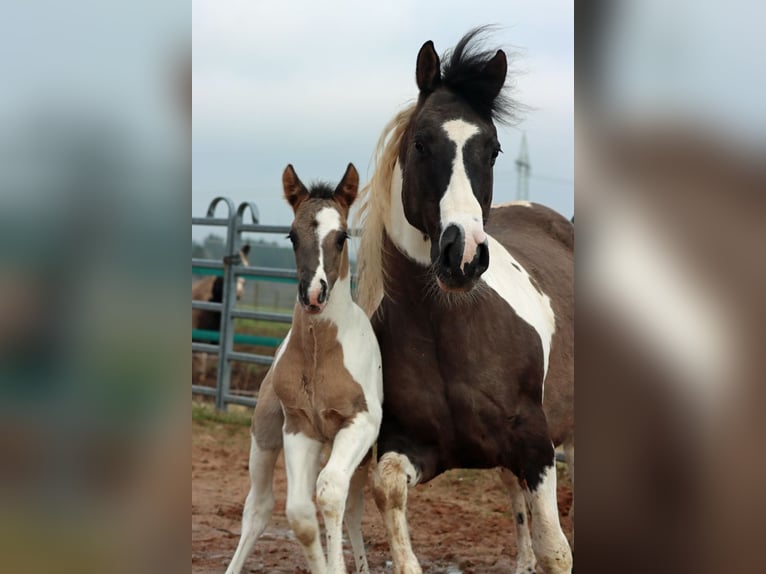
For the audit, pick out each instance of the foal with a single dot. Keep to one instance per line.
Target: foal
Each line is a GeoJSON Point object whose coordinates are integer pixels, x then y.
{"type": "Point", "coordinates": [324, 387]}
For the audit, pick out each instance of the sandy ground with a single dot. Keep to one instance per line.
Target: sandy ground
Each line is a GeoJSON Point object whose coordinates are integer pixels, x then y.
{"type": "Point", "coordinates": [459, 522]}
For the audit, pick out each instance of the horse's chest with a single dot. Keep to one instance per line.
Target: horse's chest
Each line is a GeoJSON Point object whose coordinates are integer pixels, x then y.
{"type": "Point", "coordinates": [318, 394]}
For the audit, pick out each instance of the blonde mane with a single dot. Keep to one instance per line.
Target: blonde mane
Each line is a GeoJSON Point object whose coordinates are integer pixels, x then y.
{"type": "Point", "coordinates": [374, 211]}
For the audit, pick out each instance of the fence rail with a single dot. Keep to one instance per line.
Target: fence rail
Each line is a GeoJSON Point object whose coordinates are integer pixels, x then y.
{"type": "Point", "coordinates": [222, 342]}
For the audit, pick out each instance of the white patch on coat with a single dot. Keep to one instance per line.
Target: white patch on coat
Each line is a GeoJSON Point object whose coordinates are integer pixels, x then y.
{"type": "Point", "coordinates": [459, 206]}
{"type": "Point", "coordinates": [514, 203]}
{"type": "Point", "coordinates": [512, 282]}
{"type": "Point", "coordinates": [409, 240]}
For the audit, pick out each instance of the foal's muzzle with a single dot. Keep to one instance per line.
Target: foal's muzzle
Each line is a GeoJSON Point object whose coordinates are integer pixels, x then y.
{"type": "Point", "coordinates": [462, 259]}
{"type": "Point", "coordinates": [314, 299]}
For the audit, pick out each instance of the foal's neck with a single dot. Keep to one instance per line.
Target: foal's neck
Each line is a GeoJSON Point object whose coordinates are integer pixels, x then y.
{"type": "Point", "coordinates": [335, 314]}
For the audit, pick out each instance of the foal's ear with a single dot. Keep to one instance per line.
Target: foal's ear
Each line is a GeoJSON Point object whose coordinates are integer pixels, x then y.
{"type": "Point", "coordinates": [345, 193]}
{"type": "Point", "coordinates": [295, 191]}
{"type": "Point", "coordinates": [494, 74]}
{"type": "Point", "coordinates": [428, 69]}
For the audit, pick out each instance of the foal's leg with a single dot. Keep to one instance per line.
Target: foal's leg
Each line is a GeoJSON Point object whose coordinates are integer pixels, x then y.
{"type": "Point", "coordinates": [258, 505]}
{"type": "Point", "coordinates": [266, 443]}
{"type": "Point", "coordinates": [353, 517]}
{"type": "Point", "coordinates": [525, 556]}
{"type": "Point", "coordinates": [348, 449]}
{"type": "Point", "coordinates": [390, 480]}
{"type": "Point", "coordinates": [302, 462]}
{"type": "Point", "coordinates": [548, 540]}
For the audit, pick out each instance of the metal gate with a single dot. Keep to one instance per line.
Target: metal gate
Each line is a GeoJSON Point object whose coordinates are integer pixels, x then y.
{"type": "Point", "coordinates": [230, 269]}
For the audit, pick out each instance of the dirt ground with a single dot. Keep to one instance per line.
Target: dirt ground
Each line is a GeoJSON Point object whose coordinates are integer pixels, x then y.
{"type": "Point", "coordinates": [459, 522]}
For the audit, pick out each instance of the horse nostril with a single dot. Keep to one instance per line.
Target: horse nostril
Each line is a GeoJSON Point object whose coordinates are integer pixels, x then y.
{"type": "Point", "coordinates": [323, 292]}
{"type": "Point", "coordinates": [303, 293]}
{"type": "Point", "coordinates": [451, 248]}
{"type": "Point", "coordinates": [483, 256]}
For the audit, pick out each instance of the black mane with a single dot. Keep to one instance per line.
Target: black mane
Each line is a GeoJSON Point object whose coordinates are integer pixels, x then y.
{"type": "Point", "coordinates": [321, 190]}
{"type": "Point", "coordinates": [462, 69]}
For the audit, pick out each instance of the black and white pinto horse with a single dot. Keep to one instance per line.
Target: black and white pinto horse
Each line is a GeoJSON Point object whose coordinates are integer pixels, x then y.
{"type": "Point", "coordinates": [472, 306]}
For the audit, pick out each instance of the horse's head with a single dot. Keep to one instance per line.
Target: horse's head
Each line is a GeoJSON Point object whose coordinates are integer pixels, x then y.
{"type": "Point", "coordinates": [318, 234]}
{"type": "Point", "coordinates": [240, 280]}
{"type": "Point", "coordinates": [447, 156]}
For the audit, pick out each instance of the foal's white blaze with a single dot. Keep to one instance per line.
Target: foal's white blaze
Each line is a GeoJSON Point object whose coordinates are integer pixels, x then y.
{"type": "Point", "coordinates": [459, 205]}
{"type": "Point", "coordinates": [512, 282]}
{"type": "Point", "coordinates": [328, 220]}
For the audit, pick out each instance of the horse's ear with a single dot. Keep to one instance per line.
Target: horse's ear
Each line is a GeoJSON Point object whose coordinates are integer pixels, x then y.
{"type": "Point", "coordinates": [428, 70]}
{"type": "Point", "coordinates": [348, 187]}
{"type": "Point", "coordinates": [295, 191]}
{"type": "Point", "coordinates": [494, 74]}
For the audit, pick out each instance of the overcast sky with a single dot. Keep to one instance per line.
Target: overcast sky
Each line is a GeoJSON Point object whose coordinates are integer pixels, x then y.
{"type": "Point", "coordinates": [313, 83]}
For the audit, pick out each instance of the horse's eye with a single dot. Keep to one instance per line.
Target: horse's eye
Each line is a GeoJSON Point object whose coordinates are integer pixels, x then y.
{"type": "Point", "coordinates": [342, 236]}
{"type": "Point", "coordinates": [419, 147]}
{"type": "Point", "coordinates": [293, 239]}
{"type": "Point", "coordinates": [495, 152]}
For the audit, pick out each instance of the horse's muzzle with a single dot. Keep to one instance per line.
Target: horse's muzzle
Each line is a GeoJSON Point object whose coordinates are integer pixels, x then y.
{"type": "Point", "coordinates": [461, 260]}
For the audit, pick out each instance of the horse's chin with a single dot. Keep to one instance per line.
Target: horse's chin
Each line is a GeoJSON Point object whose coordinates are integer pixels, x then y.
{"type": "Point", "coordinates": [313, 309]}
{"type": "Point", "coordinates": [453, 287]}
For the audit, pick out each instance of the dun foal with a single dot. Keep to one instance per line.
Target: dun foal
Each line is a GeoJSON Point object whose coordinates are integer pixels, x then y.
{"type": "Point", "coordinates": [324, 387]}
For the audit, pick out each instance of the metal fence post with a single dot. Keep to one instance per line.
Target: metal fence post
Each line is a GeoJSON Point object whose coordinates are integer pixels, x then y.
{"type": "Point", "coordinates": [229, 294]}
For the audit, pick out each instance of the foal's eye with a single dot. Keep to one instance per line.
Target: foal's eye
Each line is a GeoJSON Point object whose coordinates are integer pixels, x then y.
{"type": "Point", "coordinates": [341, 239]}
{"type": "Point", "coordinates": [293, 238]}
{"type": "Point", "coordinates": [420, 147]}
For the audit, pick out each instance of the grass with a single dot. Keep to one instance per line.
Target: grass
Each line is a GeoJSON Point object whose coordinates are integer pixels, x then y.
{"type": "Point", "coordinates": [206, 415]}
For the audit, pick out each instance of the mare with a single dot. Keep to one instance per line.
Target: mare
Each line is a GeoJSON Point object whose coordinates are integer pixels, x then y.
{"type": "Point", "coordinates": [210, 289]}
{"type": "Point", "coordinates": [324, 388]}
{"type": "Point", "coordinates": [472, 306]}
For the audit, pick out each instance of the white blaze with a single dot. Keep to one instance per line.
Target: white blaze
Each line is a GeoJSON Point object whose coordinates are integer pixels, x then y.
{"type": "Point", "coordinates": [459, 205]}
{"type": "Point", "coordinates": [328, 220]}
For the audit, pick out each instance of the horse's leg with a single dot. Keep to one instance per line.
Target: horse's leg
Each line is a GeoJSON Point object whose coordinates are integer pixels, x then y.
{"type": "Point", "coordinates": [353, 517]}
{"type": "Point", "coordinates": [302, 463]}
{"type": "Point", "coordinates": [266, 443]}
{"type": "Point", "coordinates": [258, 505]}
{"type": "Point", "coordinates": [569, 454]}
{"type": "Point", "coordinates": [349, 447]}
{"type": "Point", "coordinates": [525, 556]}
{"type": "Point", "coordinates": [548, 541]}
{"type": "Point", "coordinates": [390, 479]}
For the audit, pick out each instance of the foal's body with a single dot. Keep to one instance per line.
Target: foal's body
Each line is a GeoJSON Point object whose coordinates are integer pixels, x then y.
{"type": "Point", "coordinates": [324, 388]}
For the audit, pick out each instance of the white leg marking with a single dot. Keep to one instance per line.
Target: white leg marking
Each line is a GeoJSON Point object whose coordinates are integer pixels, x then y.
{"type": "Point", "coordinates": [390, 480]}
{"type": "Point", "coordinates": [349, 447]}
{"type": "Point", "coordinates": [302, 462]}
{"type": "Point", "coordinates": [525, 555]}
{"type": "Point", "coordinates": [458, 205]}
{"type": "Point", "coordinates": [548, 540]}
{"type": "Point", "coordinates": [353, 518]}
{"type": "Point", "coordinates": [258, 505]}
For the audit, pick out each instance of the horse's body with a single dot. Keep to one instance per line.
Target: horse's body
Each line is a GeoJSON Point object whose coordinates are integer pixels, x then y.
{"type": "Point", "coordinates": [324, 388]}
{"type": "Point", "coordinates": [210, 289]}
{"type": "Point", "coordinates": [473, 309]}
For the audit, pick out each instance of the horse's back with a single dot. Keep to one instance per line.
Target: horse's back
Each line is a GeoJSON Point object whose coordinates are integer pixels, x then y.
{"type": "Point", "coordinates": [542, 240]}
